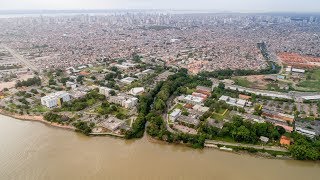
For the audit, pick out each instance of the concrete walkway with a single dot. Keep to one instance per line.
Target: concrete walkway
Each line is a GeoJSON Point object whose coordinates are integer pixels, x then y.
{"type": "Point", "coordinates": [209, 143]}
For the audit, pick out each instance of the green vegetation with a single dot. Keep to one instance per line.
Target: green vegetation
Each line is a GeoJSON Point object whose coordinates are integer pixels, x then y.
{"type": "Point", "coordinates": [312, 82]}
{"type": "Point", "coordinates": [304, 148]}
{"type": "Point", "coordinates": [243, 82]}
{"type": "Point", "coordinates": [228, 73]}
{"type": "Point", "coordinates": [242, 131]}
{"type": "Point", "coordinates": [56, 118]}
{"type": "Point", "coordinates": [106, 109]}
{"type": "Point", "coordinates": [179, 106]}
{"type": "Point", "coordinates": [35, 81]}
{"type": "Point", "coordinates": [84, 127]}
{"type": "Point", "coordinates": [52, 82]}
{"type": "Point", "coordinates": [263, 48]}
{"type": "Point", "coordinates": [39, 108]}
{"type": "Point", "coordinates": [161, 94]}
{"type": "Point", "coordinates": [221, 115]}
{"type": "Point", "coordinates": [145, 102]}
{"type": "Point", "coordinates": [157, 129]}
{"type": "Point", "coordinates": [175, 85]}
{"type": "Point", "coordinates": [136, 58]}
{"type": "Point", "coordinates": [79, 104]}
{"type": "Point", "coordinates": [253, 150]}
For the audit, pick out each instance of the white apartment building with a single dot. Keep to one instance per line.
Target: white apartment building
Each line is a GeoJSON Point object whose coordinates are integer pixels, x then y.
{"type": "Point", "coordinates": [55, 99]}
{"type": "Point", "coordinates": [193, 100]}
{"type": "Point", "coordinates": [233, 101]}
{"type": "Point", "coordinates": [105, 91]}
{"type": "Point", "coordinates": [125, 101]}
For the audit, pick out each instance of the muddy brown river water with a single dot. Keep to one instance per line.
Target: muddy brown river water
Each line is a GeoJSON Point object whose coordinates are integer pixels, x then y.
{"type": "Point", "coordinates": [32, 151]}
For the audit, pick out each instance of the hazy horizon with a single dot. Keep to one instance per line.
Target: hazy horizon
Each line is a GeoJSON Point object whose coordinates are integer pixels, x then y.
{"type": "Point", "coordinates": [208, 5]}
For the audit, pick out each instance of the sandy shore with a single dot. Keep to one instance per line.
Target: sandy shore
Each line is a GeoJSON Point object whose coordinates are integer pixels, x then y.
{"type": "Point", "coordinates": [35, 118]}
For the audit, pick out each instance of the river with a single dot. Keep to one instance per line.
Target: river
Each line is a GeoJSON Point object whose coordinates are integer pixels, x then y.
{"type": "Point", "coordinates": [31, 151]}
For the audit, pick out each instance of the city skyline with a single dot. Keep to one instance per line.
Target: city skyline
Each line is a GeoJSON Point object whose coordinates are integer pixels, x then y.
{"type": "Point", "coordinates": [213, 5]}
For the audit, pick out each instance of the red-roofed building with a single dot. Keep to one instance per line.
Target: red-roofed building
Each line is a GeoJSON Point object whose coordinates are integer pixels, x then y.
{"type": "Point", "coordinates": [244, 97]}
{"type": "Point", "coordinates": [285, 141]}
{"type": "Point", "coordinates": [84, 73]}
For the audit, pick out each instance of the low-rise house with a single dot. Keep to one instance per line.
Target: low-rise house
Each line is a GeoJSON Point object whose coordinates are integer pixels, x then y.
{"type": "Point", "coordinates": [264, 139]}
{"type": "Point", "coordinates": [137, 91]}
{"type": "Point", "coordinates": [122, 67]}
{"type": "Point", "coordinates": [148, 71]}
{"type": "Point", "coordinates": [294, 70]}
{"type": "Point", "coordinates": [82, 67]}
{"type": "Point", "coordinates": [234, 101]}
{"type": "Point", "coordinates": [278, 116]}
{"type": "Point", "coordinates": [112, 123]}
{"type": "Point", "coordinates": [144, 73]}
{"type": "Point", "coordinates": [204, 90]}
{"type": "Point", "coordinates": [306, 132]}
{"type": "Point", "coordinates": [127, 80]}
{"type": "Point", "coordinates": [281, 77]}
{"type": "Point", "coordinates": [72, 85]}
{"type": "Point", "coordinates": [175, 114]}
{"type": "Point", "coordinates": [188, 120]}
{"type": "Point", "coordinates": [76, 94]}
{"type": "Point", "coordinates": [308, 128]}
{"type": "Point", "coordinates": [311, 97]}
{"type": "Point", "coordinates": [130, 102]}
{"type": "Point", "coordinates": [200, 108]}
{"type": "Point", "coordinates": [196, 94]}
{"type": "Point", "coordinates": [124, 100]}
{"type": "Point", "coordinates": [285, 127]}
{"type": "Point", "coordinates": [285, 141]}
{"type": "Point", "coordinates": [244, 97]}
{"type": "Point", "coordinates": [105, 91]}
{"type": "Point", "coordinates": [192, 99]}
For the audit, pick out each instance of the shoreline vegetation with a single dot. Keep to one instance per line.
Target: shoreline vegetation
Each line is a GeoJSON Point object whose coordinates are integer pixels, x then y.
{"type": "Point", "coordinates": [36, 119]}
{"type": "Point", "coordinates": [237, 150]}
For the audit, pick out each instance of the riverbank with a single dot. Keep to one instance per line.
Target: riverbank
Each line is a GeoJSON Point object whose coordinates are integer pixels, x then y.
{"type": "Point", "coordinates": [36, 119]}
{"type": "Point", "coordinates": [41, 120]}
{"type": "Point", "coordinates": [26, 147]}
{"type": "Point", "coordinates": [221, 146]}
{"type": "Point", "coordinates": [229, 149]}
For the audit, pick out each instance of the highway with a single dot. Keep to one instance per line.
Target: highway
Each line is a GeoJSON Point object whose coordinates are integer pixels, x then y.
{"type": "Point", "coordinates": [20, 58]}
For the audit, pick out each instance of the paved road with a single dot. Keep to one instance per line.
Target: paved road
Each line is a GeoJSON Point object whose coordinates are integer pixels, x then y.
{"type": "Point", "coordinates": [20, 58]}
{"type": "Point", "coordinates": [165, 116]}
{"type": "Point", "coordinates": [270, 148]}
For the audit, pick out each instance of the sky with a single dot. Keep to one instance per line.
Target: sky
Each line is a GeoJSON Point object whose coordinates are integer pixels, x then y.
{"type": "Point", "coordinates": [219, 5]}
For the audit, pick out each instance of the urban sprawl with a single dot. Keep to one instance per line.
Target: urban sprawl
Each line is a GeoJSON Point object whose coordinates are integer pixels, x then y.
{"type": "Point", "coordinates": [237, 82]}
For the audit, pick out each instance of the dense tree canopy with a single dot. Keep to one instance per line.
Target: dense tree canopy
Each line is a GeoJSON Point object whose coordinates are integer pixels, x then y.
{"type": "Point", "coordinates": [35, 81]}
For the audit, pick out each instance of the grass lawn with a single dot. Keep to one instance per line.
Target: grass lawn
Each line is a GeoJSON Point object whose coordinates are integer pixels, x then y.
{"type": "Point", "coordinates": [313, 82]}
{"type": "Point", "coordinates": [169, 121]}
{"type": "Point", "coordinates": [190, 91]}
{"type": "Point", "coordinates": [222, 114]}
{"type": "Point", "coordinates": [243, 82]}
{"type": "Point", "coordinates": [39, 108]}
{"type": "Point", "coordinates": [128, 121]}
{"type": "Point", "coordinates": [178, 106]}
{"type": "Point", "coordinates": [225, 139]}
{"type": "Point", "coordinates": [12, 106]}
{"type": "Point", "coordinates": [122, 110]}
